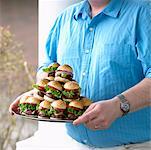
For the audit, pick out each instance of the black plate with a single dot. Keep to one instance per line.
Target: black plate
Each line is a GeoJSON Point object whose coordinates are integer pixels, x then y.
{"type": "Point", "coordinates": [43, 119]}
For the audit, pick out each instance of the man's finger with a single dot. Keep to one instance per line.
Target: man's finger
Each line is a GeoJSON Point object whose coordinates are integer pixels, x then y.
{"type": "Point", "coordinates": [85, 117]}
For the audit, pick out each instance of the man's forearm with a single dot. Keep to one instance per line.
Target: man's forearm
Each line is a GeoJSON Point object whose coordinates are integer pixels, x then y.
{"type": "Point", "coordinates": [139, 96]}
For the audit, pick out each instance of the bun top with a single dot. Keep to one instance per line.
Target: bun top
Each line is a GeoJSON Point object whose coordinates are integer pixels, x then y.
{"type": "Point", "coordinates": [50, 78]}
{"type": "Point", "coordinates": [56, 85]}
{"type": "Point", "coordinates": [59, 104]}
{"type": "Point", "coordinates": [65, 68]}
{"type": "Point", "coordinates": [43, 82]}
{"type": "Point", "coordinates": [76, 104]}
{"type": "Point", "coordinates": [55, 65]}
{"type": "Point", "coordinates": [33, 100]}
{"type": "Point", "coordinates": [71, 85]}
{"type": "Point", "coordinates": [23, 99]}
{"type": "Point", "coordinates": [45, 104]}
{"type": "Point", "coordinates": [86, 102]}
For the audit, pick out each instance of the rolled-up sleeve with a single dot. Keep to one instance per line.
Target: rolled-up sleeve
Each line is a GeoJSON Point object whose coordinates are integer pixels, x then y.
{"type": "Point", "coordinates": [50, 55]}
{"type": "Point", "coordinates": [143, 40]}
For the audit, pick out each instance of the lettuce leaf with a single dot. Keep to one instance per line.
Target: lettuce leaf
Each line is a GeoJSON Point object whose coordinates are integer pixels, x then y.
{"type": "Point", "coordinates": [24, 107]}
{"type": "Point", "coordinates": [35, 86]}
{"type": "Point", "coordinates": [68, 93]}
{"type": "Point", "coordinates": [49, 69]}
{"type": "Point", "coordinates": [75, 112]}
{"type": "Point", "coordinates": [56, 93]}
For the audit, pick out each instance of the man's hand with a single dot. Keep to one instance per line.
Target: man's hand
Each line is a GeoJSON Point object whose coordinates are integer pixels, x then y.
{"type": "Point", "coordinates": [100, 115]}
{"type": "Point", "coordinates": [14, 105]}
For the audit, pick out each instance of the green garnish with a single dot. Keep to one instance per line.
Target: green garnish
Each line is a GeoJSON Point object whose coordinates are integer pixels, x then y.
{"type": "Point", "coordinates": [56, 93]}
{"type": "Point", "coordinates": [35, 86]}
{"type": "Point", "coordinates": [46, 112]}
{"type": "Point", "coordinates": [47, 88]}
{"type": "Point", "coordinates": [64, 75]}
{"type": "Point", "coordinates": [68, 93]}
{"type": "Point", "coordinates": [50, 69]}
{"type": "Point", "coordinates": [75, 112]}
{"type": "Point", "coordinates": [24, 107]}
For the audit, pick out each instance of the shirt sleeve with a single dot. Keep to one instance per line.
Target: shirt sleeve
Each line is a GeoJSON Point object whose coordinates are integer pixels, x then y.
{"type": "Point", "coordinates": [50, 54]}
{"type": "Point", "coordinates": [143, 39]}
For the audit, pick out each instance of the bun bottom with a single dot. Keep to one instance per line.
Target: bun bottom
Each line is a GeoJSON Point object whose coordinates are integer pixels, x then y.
{"type": "Point", "coordinates": [38, 96]}
{"type": "Point", "coordinates": [24, 114]}
{"type": "Point", "coordinates": [48, 99]}
{"type": "Point", "coordinates": [69, 100]}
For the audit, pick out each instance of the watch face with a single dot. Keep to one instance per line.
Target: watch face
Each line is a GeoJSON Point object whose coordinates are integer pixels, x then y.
{"type": "Point", "coordinates": [125, 107]}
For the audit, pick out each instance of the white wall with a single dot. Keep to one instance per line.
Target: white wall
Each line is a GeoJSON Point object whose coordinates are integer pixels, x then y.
{"type": "Point", "coordinates": [48, 11]}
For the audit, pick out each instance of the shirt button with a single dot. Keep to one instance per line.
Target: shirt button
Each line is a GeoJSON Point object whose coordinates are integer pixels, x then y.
{"type": "Point", "coordinates": [83, 73]}
{"type": "Point", "coordinates": [86, 51]}
{"type": "Point", "coordinates": [90, 29]}
{"type": "Point", "coordinates": [85, 141]}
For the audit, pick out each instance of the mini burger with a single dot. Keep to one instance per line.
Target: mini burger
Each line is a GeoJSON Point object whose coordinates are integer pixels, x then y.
{"type": "Point", "coordinates": [22, 103]}
{"type": "Point", "coordinates": [39, 89]}
{"type": "Point", "coordinates": [44, 109]}
{"type": "Point", "coordinates": [51, 69]}
{"type": "Point", "coordinates": [58, 109]}
{"type": "Point", "coordinates": [29, 106]}
{"type": "Point", "coordinates": [71, 91]}
{"type": "Point", "coordinates": [86, 102]}
{"type": "Point", "coordinates": [53, 91]}
{"type": "Point", "coordinates": [64, 74]}
{"type": "Point", "coordinates": [50, 78]}
{"type": "Point", "coordinates": [75, 109]}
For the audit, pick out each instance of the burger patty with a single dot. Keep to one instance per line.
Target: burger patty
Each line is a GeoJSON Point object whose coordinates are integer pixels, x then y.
{"type": "Point", "coordinates": [52, 73]}
{"type": "Point", "coordinates": [31, 112]}
{"type": "Point", "coordinates": [50, 95]}
{"type": "Point", "coordinates": [41, 93]}
{"type": "Point", "coordinates": [44, 112]}
{"type": "Point", "coordinates": [73, 94]}
{"type": "Point", "coordinates": [64, 74]}
{"type": "Point", "coordinates": [72, 116]}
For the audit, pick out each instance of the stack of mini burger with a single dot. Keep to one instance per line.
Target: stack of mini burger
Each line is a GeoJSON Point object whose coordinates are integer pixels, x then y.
{"type": "Point", "coordinates": [56, 96]}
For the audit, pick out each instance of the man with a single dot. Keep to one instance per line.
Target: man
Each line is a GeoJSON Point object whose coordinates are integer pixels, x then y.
{"type": "Point", "coordinates": [108, 44]}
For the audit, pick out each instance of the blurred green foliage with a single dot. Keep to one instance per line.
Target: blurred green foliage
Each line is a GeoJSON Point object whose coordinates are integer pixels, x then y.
{"type": "Point", "coordinates": [16, 77]}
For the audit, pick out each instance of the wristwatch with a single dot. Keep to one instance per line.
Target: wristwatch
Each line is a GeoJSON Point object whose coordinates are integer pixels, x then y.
{"type": "Point", "coordinates": [124, 104]}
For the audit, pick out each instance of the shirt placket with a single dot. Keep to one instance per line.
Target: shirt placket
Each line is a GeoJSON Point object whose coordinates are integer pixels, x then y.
{"type": "Point", "coordinates": [87, 51]}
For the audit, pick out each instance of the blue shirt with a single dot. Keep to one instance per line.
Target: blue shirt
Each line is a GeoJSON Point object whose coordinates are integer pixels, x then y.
{"type": "Point", "coordinates": [109, 54]}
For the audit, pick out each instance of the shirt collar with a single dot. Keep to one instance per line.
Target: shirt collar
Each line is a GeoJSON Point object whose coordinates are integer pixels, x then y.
{"type": "Point", "coordinates": [83, 10]}
{"type": "Point", "coordinates": [112, 9]}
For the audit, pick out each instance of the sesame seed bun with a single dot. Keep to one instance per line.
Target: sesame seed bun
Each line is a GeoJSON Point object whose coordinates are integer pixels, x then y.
{"type": "Point", "coordinates": [23, 99]}
{"type": "Point", "coordinates": [54, 65]}
{"type": "Point", "coordinates": [59, 104]}
{"type": "Point", "coordinates": [37, 96]}
{"type": "Point", "coordinates": [43, 82]}
{"type": "Point", "coordinates": [33, 100]}
{"type": "Point", "coordinates": [76, 104]}
{"type": "Point", "coordinates": [48, 99]}
{"type": "Point", "coordinates": [65, 68]}
{"type": "Point", "coordinates": [86, 102]}
{"type": "Point", "coordinates": [45, 104]}
{"type": "Point", "coordinates": [71, 85]}
{"type": "Point", "coordinates": [56, 85]}
{"type": "Point", "coordinates": [50, 78]}
{"type": "Point", "coordinates": [60, 79]}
